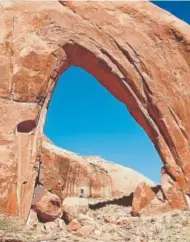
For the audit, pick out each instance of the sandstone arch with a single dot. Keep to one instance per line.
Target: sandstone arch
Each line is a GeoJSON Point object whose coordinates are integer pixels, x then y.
{"type": "Point", "coordinates": [137, 51]}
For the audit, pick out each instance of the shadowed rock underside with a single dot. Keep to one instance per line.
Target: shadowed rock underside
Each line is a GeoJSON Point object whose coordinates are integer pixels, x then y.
{"type": "Point", "coordinates": [139, 52]}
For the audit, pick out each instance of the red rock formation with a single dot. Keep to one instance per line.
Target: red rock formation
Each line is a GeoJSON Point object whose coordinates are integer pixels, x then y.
{"type": "Point", "coordinates": [68, 174]}
{"type": "Point", "coordinates": [174, 195]}
{"type": "Point", "coordinates": [46, 204]}
{"type": "Point", "coordinates": [157, 205]}
{"type": "Point", "coordinates": [139, 52]}
{"type": "Point", "coordinates": [147, 201]}
{"type": "Point", "coordinates": [143, 195]}
{"type": "Point", "coordinates": [124, 179]}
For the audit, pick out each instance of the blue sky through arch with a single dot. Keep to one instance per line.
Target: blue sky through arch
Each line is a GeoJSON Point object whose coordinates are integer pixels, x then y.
{"type": "Point", "coordinates": [85, 118]}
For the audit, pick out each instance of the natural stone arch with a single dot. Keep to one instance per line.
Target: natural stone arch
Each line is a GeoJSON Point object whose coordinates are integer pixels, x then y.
{"type": "Point", "coordinates": [140, 56]}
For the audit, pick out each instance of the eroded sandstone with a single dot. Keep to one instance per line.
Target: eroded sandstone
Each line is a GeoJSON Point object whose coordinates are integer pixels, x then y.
{"type": "Point", "coordinates": [142, 197]}
{"type": "Point", "coordinates": [139, 52]}
{"type": "Point", "coordinates": [67, 174]}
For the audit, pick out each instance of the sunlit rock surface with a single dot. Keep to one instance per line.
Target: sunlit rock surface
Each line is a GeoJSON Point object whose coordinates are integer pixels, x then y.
{"type": "Point", "coordinates": [68, 174]}
{"type": "Point", "coordinates": [139, 52]}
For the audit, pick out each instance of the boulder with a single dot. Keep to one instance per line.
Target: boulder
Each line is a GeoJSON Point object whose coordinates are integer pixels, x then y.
{"type": "Point", "coordinates": [46, 204]}
{"type": "Point", "coordinates": [73, 225]}
{"type": "Point", "coordinates": [73, 206]}
{"type": "Point", "coordinates": [143, 195]}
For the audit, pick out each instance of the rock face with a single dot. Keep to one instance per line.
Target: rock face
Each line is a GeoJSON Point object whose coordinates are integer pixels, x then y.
{"type": "Point", "coordinates": [124, 179]}
{"type": "Point", "coordinates": [139, 52]}
{"type": "Point", "coordinates": [68, 174]}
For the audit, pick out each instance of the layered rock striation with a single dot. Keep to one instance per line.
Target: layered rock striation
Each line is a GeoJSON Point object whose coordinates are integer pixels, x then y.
{"type": "Point", "coordinates": [67, 174]}
{"type": "Point", "coordinates": [139, 52]}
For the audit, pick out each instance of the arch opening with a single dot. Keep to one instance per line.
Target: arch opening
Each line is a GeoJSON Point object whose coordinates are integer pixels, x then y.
{"type": "Point", "coordinates": [134, 89]}
{"type": "Point", "coordinates": [133, 85]}
{"type": "Point", "coordinates": [84, 117]}
{"type": "Point", "coordinates": [128, 65]}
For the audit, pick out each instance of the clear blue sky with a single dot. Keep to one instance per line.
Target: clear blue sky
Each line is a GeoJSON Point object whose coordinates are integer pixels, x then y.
{"type": "Point", "coordinates": [85, 118]}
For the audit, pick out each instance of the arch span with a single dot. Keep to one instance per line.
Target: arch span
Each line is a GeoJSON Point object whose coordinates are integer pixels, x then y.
{"type": "Point", "coordinates": [81, 110]}
{"type": "Point", "coordinates": [141, 60]}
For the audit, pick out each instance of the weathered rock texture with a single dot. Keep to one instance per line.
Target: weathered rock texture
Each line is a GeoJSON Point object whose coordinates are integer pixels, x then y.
{"type": "Point", "coordinates": [67, 174]}
{"type": "Point", "coordinates": [124, 179]}
{"type": "Point", "coordinates": [143, 195]}
{"type": "Point", "coordinates": [109, 223]}
{"type": "Point", "coordinates": [139, 52]}
{"type": "Point", "coordinates": [46, 204]}
{"type": "Point", "coordinates": [149, 201]}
